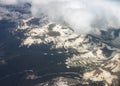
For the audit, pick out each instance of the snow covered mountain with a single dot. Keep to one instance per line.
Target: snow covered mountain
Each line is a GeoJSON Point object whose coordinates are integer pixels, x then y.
{"type": "Point", "coordinates": [91, 52]}
{"type": "Point", "coordinates": [98, 53]}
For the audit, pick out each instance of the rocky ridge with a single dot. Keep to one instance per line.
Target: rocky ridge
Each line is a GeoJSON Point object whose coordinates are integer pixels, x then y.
{"type": "Point", "coordinates": [100, 60]}
{"type": "Point", "coordinates": [99, 55]}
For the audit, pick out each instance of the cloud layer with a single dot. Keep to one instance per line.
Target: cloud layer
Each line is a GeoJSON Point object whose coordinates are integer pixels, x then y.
{"type": "Point", "coordinates": [81, 15]}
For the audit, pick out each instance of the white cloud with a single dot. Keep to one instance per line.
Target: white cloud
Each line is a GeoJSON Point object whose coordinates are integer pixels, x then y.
{"type": "Point", "coordinates": [8, 1]}
{"type": "Point", "coordinates": [81, 15]}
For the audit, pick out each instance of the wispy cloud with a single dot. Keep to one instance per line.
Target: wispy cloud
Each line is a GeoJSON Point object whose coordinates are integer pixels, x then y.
{"type": "Point", "coordinates": [81, 15]}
